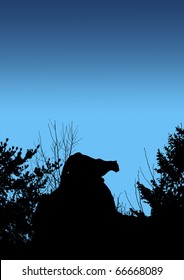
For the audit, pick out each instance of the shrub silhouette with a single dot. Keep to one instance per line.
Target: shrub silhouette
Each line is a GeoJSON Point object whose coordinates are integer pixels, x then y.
{"type": "Point", "coordinates": [80, 214]}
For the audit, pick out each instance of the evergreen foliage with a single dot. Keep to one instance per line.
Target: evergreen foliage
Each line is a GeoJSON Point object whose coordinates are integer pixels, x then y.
{"type": "Point", "coordinates": [21, 187]}
{"type": "Point", "coordinates": [166, 197]}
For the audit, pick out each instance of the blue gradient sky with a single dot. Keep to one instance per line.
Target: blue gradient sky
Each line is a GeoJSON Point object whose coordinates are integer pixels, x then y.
{"type": "Point", "coordinates": [114, 68]}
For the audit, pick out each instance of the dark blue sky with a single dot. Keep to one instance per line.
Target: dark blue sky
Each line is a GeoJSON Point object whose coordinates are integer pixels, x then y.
{"type": "Point", "coordinates": [114, 68]}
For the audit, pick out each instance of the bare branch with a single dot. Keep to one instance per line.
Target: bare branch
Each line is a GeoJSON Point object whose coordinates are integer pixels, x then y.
{"type": "Point", "coordinates": [62, 146]}
{"type": "Point", "coordinates": [145, 178]}
{"type": "Point", "coordinates": [129, 201]}
{"type": "Point", "coordinates": [138, 197]}
{"type": "Point", "coordinates": [151, 171]}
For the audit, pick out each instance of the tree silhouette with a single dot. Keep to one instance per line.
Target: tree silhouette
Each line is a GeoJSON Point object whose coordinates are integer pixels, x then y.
{"type": "Point", "coordinates": [166, 198]}
{"type": "Point", "coordinates": [20, 190]}
{"type": "Point", "coordinates": [24, 178]}
{"type": "Point", "coordinates": [62, 145]}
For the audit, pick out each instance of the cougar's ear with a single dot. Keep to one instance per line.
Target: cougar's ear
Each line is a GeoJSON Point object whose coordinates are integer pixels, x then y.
{"type": "Point", "coordinates": [73, 165]}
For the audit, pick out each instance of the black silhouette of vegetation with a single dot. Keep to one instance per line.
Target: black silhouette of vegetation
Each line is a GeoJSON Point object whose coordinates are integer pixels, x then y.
{"type": "Point", "coordinates": [20, 190]}
{"type": "Point", "coordinates": [63, 143]}
{"type": "Point", "coordinates": [23, 181]}
{"type": "Point", "coordinates": [166, 195]}
{"type": "Point", "coordinates": [77, 218]}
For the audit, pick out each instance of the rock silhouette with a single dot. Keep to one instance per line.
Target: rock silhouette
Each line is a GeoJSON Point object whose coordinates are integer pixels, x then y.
{"type": "Point", "coordinates": [79, 220]}
{"type": "Point", "coordinates": [80, 216]}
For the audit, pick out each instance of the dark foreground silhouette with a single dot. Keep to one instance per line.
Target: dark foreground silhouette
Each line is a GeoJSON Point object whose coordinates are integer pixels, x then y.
{"type": "Point", "coordinates": [80, 216]}
{"type": "Point", "coordinates": [79, 220]}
